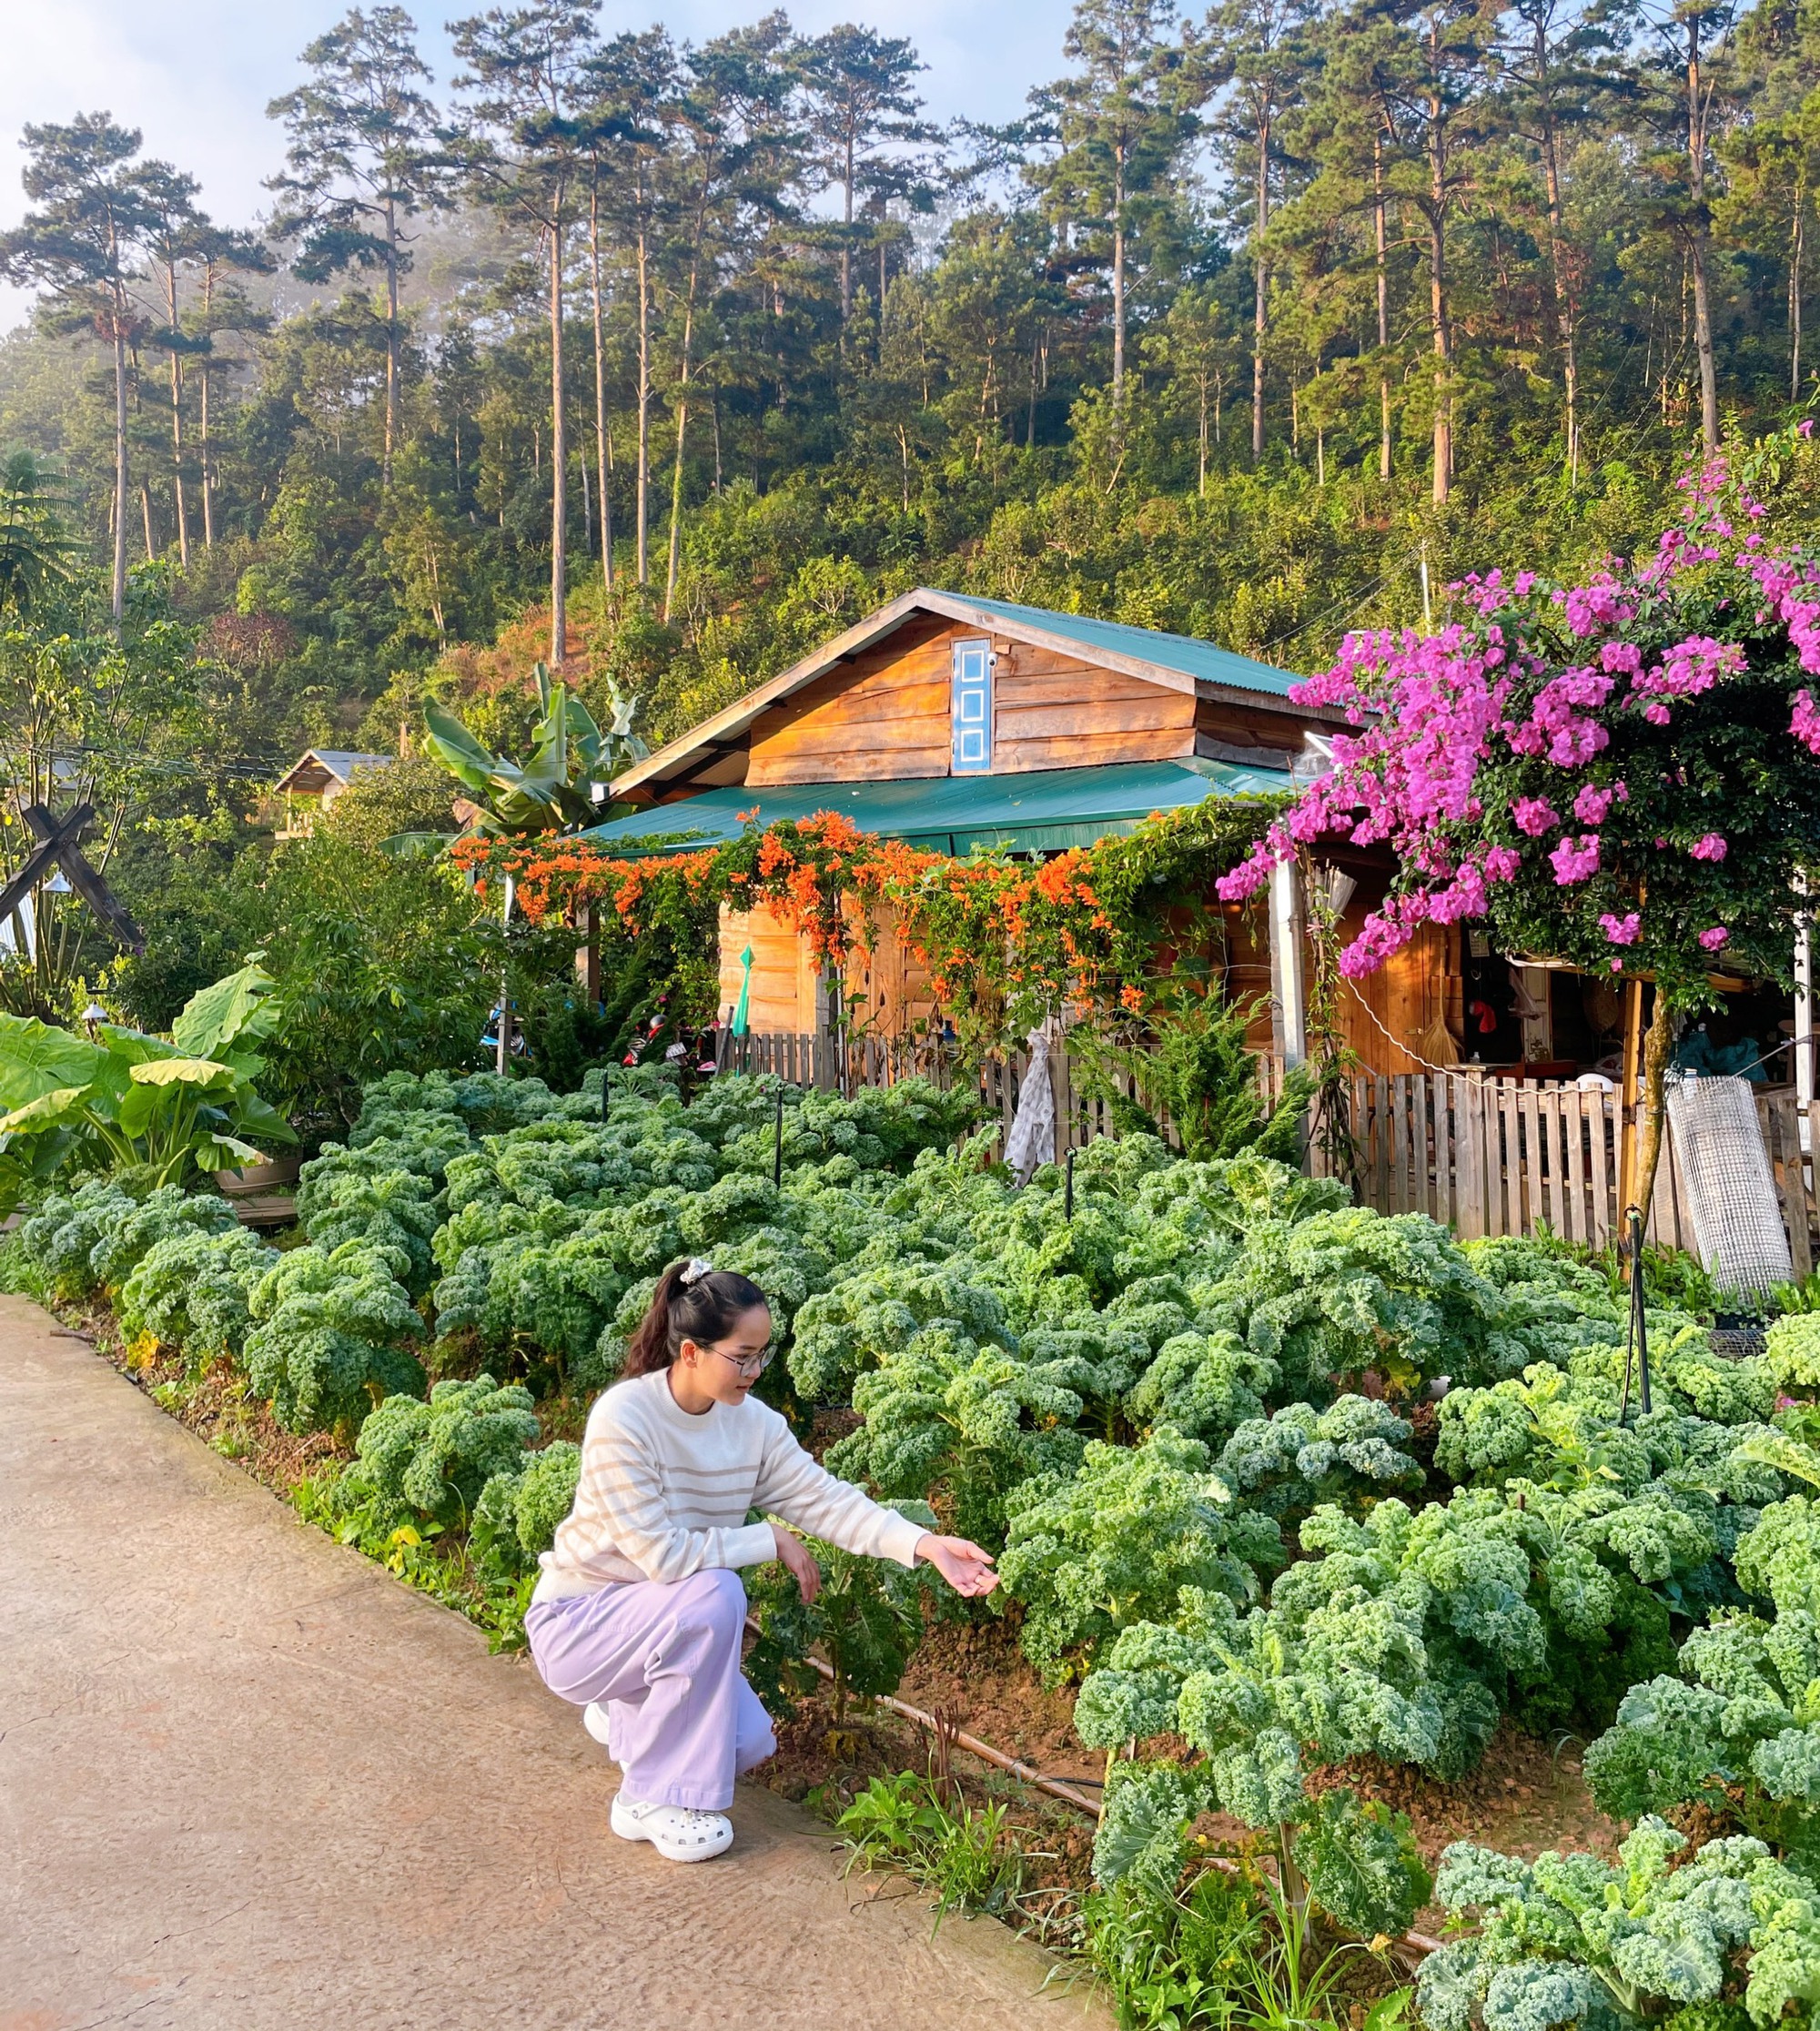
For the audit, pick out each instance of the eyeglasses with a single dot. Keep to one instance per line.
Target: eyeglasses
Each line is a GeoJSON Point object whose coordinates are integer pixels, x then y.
{"type": "Point", "coordinates": [753, 1365]}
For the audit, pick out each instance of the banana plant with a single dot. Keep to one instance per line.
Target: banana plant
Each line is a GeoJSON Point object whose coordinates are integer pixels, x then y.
{"type": "Point", "coordinates": [121, 1100]}
{"type": "Point", "coordinates": [552, 790]}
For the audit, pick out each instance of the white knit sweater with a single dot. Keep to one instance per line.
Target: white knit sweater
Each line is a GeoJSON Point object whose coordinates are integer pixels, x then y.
{"type": "Point", "coordinates": [665, 1492]}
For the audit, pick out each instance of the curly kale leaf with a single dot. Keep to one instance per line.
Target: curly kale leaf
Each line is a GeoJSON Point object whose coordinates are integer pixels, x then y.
{"type": "Point", "coordinates": [1117, 1541]}
{"type": "Point", "coordinates": [1571, 1936]}
{"type": "Point", "coordinates": [844, 1332]}
{"type": "Point", "coordinates": [1205, 1385]}
{"type": "Point", "coordinates": [976, 1420]}
{"type": "Point", "coordinates": [431, 1461]}
{"type": "Point", "coordinates": [1342, 1292]}
{"type": "Point", "coordinates": [517, 1513]}
{"type": "Point", "coordinates": [1288, 1464]}
{"type": "Point", "coordinates": [1362, 1864]}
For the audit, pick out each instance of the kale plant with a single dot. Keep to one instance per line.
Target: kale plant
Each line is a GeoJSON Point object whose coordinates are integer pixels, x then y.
{"type": "Point", "coordinates": [331, 1336]}
{"type": "Point", "coordinates": [1119, 1541]}
{"type": "Point", "coordinates": [1571, 1939]}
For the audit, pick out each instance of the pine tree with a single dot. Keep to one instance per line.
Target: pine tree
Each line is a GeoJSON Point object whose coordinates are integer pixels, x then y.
{"type": "Point", "coordinates": [364, 158]}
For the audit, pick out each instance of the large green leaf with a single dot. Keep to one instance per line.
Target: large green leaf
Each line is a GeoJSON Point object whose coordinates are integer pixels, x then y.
{"type": "Point", "coordinates": [236, 1006]}
{"type": "Point", "coordinates": [36, 1058]}
{"type": "Point", "coordinates": [458, 751]}
{"type": "Point", "coordinates": [183, 1071]}
{"type": "Point", "coordinates": [259, 1117]}
{"type": "Point", "coordinates": [132, 1047]}
{"type": "Point", "coordinates": [60, 1109]}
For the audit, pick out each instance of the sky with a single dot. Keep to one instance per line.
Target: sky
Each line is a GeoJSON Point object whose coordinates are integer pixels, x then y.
{"type": "Point", "coordinates": [196, 76]}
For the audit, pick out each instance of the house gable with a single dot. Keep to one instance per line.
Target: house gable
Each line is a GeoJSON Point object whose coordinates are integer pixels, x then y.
{"type": "Point", "coordinates": [874, 704]}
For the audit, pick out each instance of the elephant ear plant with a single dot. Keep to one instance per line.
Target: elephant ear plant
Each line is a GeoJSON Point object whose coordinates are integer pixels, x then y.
{"type": "Point", "coordinates": [160, 1109]}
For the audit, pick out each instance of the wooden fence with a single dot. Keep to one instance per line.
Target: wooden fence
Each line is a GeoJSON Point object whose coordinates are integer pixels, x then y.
{"type": "Point", "coordinates": [1483, 1155]}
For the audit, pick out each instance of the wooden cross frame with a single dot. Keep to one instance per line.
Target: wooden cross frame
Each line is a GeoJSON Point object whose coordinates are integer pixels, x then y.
{"type": "Point", "coordinates": [57, 847]}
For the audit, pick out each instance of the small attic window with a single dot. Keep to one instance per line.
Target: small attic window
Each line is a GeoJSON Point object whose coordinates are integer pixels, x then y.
{"type": "Point", "coordinates": [970, 711]}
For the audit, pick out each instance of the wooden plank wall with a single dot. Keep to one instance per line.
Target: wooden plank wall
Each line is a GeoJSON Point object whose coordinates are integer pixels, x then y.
{"type": "Point", "coordinates": [784, 978]}
{"type": "Point", "coordinates": [884, 715]}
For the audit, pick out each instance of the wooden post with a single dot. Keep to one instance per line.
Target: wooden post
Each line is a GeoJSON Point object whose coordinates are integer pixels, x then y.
{"type": "Point", "coordinates": [1627, 1094]}
{"type": "Point", "coordinates": [588, 955]}
{"type": "Point", "coordinates": [1288, 993]}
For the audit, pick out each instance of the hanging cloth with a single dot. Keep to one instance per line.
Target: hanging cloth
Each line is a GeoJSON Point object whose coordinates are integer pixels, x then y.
{"type": "Point", "coordinates": [1031, 1141]}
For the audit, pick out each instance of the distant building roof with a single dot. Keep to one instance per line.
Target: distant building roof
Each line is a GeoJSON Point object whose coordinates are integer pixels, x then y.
{"type": "Point", "coordinates": [321, 767]}
{"type": "Point", "coordinates": [1177, 662]}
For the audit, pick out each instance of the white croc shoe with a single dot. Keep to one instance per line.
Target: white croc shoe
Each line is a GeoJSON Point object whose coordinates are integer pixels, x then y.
{"type": "Point", "coordinates": [594, 1719]}
{"type": "Point", "coordinates": [678, 1833]}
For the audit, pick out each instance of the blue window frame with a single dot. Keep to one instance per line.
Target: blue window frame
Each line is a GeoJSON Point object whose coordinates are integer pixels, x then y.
{"type": "Point", "coordinates": [971, 711]}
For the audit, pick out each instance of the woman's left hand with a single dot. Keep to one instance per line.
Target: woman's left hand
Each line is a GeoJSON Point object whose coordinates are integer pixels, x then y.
{"type": "Point", "coordinates": [965, 1568]}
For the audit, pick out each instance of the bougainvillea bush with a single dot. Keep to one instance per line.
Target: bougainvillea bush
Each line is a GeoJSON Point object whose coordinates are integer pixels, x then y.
{"type": "Point", "coordinates": [1622, 773]}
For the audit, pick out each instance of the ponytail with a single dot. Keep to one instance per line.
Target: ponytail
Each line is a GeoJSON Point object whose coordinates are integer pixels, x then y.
{"type": "Point", "coordinates": [704, 1308]}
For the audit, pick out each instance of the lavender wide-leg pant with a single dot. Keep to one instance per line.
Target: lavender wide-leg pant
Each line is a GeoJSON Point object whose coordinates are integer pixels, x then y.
{"type": "Point", "coordinates": [663, 1658]}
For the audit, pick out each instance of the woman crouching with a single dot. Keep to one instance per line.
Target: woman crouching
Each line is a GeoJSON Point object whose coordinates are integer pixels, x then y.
{"type": "Point", "coordinates": [639, 1612]}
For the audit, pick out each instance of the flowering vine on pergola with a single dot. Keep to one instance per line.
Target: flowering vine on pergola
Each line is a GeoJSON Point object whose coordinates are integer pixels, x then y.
{"type": "Point", "coordinates": [1623, 776]}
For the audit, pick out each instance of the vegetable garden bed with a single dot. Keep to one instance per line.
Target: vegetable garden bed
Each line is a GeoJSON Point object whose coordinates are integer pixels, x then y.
{"type": "Point", "coordinates": [1260, 1585]}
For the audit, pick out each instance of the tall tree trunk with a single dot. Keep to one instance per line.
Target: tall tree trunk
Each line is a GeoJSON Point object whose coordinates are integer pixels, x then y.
{"type": "Point", "coordinates": [600, 388]}
{"type": "Point", "coordinates": [119, 451]}
{"type": "Point", "coordinates": [1118, 282]}
{"type": "Point", "coordinates": [1260, 280]}
{"type": "Point", "coordinates": [1378, 209]}
{"type": "Point", "coordinates": [695, 257]}
{"type": "Point", "coordinates": [1564, 291]}
{"type": "Point", "coordinates": [1701, 247]}
{"type": "Point", "coordinates": [559, 456]}
{"type": "Point", "coordinates": [392, 344]}
{"type": "Point", "coordinates": [1797, 238]}
{"type": "Point", "coordinates": [644, 390]}
{"type": "Point", "coordinates": [176, 420]}
{"type": "Point", "coordinates": [207, 475]}
{"type": "Point", "coordinates": [1437, 290]}
{"type": "Point", "coordinates": [846, 241]}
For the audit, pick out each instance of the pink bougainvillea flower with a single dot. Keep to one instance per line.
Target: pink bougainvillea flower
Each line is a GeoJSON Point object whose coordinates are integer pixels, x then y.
{"type": "Point", "coordinates": [1804, 721]}
{"type": "Point", "coordinates": [1622, 930]}
{"type": "Point", "coordinates": [1709, 846]}
{"type": "Point", "coordinates": [1536, 815]}
{"type": "Point", "coordinates": [1575, 860]}
{"type": "Point", "coordinates": [1617, 966]}
{"type": "Point", "coordinates": [1711, 940]}
{"type": "Point", "coordinates": [1591, 805]}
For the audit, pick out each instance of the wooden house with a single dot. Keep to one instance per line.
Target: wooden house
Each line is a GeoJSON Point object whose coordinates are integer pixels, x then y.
{"type": "Point", "coordinates": [311, 784]}
{"type": "Point", "coordinates": [952, 722]}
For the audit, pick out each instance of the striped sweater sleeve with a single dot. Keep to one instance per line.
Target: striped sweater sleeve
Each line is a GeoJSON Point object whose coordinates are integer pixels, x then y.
{"type": "Point", "coordinates": [626, 1490]}
{"type": "Point", "coordinates": [797, 1487]}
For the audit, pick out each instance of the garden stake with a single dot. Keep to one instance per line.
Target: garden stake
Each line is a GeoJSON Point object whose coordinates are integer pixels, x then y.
{"type": "Point", "coordinates": [777, 1148]}
{"type": "Point", "coordinates": [1636, 1346]}
{"type": "Point", "coordinates": [606, 1081]}
{"type": "Point", "coordinates": [1069, 1188]}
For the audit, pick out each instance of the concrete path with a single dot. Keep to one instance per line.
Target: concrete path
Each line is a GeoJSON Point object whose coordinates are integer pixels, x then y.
{"type": "Point", "coordinates": [247, 1780]}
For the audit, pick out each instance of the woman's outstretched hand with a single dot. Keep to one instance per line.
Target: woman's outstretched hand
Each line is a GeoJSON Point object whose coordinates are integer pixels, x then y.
{"type": "Point", "coordinates": [965, 1568]}
{"type": "Point", "coordinates": [798, 1560]}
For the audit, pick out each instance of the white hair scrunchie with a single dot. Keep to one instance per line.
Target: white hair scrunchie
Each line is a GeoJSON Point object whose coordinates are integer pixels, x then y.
{"type": "Point", "coordinates": [698, 1267]}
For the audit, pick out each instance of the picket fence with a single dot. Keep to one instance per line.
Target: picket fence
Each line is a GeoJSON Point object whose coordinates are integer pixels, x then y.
{"type": "Point", "coordinates": [1484, 1156]}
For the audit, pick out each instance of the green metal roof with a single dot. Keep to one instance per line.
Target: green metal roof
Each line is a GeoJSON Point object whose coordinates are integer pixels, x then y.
{"type": "Point", "coordinates": [1201, 660]}
{"type": "Point", "coordinates": [1042, 810]}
